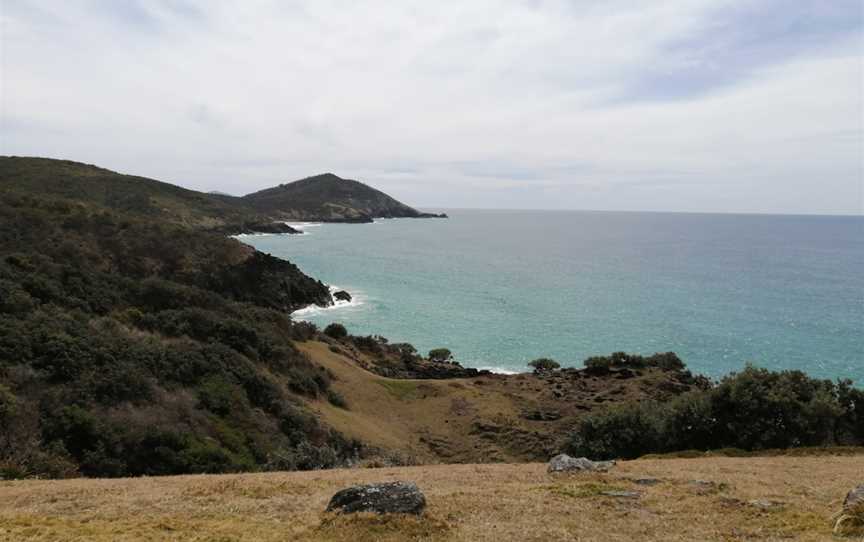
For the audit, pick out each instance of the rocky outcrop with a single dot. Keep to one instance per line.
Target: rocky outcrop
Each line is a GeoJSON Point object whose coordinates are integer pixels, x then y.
{"type": "Point", "coordinates": [385, 498]}
{"type": "Point", "coordinates": [256, 227]}
{"type": "Point", "coordinates": [342, 295]}
{"type": "Point", "coordinates": [850, 520]}
{"type": "Point", "coordinates": [565, 463]}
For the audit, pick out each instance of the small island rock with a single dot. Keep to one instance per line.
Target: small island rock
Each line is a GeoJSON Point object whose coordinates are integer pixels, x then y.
{"type": "Point", "coordinates": [342, 295]}
{"type": "Point", "coordinates": [385, 498]}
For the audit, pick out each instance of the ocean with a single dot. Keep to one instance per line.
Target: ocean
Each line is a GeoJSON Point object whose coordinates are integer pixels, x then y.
{"type": "Point", "coordinates": [500, 288]}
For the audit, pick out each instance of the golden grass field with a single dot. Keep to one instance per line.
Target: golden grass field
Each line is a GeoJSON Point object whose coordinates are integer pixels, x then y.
{"type": "Point", "coordinates": [799, 496]}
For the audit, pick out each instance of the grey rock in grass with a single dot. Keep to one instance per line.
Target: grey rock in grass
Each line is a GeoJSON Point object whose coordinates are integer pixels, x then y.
{"type": "Point", "coordinates": [384, 498]}
{"type": "Point", "coordinates": [621, 494]}
{"type": "Point", "coordinates": [565, 463]}
{"type": "Point", "coordinates": [854, 498]}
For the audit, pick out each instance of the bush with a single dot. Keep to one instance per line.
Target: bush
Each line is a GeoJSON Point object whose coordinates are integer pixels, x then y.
{"type": "Point", "coordinates": [369, 343]}
{"type": "Point", "coordinates": [541, 365]}
{"type": "Point", "coordinates": [336, 331]}
{"type": "Point", "coordinates": [667, 361]}
{"type": "Point", "coordinates": [336, 399]}
{"type": "Point", "coordinates": [755, 409]}
{"type": "Point", "coordinates": [624, 431]}
{"type": "Point", "coordinates": [441, 355]}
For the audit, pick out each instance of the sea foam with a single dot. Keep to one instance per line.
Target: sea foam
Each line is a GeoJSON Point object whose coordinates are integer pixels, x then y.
{"type": "Point", "coordinates": [357, 299]}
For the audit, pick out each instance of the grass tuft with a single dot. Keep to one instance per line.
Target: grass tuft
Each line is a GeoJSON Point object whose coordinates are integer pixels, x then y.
{"type": "Point", "coordinates": [850, 521]}
{"type": "Point", "coordinates": [371, 527]}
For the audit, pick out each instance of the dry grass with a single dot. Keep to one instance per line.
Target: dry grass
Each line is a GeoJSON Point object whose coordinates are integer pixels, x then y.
{"type": "Point", "coordinates": [466, 502]}
{"type": "Point", "coordinates": [850, 521]}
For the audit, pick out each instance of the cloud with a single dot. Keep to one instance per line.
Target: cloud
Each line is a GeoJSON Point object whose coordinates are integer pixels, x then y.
{"type": "Point", "coordinates": [680, 105]}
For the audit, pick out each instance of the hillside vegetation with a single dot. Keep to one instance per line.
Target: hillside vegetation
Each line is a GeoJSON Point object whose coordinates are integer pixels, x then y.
{"type": "Point", "coordinates": [331, 198]}
{"type": "Point", "coordinates": [127, 195]}
{"type": "Point", "coordinates": [137, 339]}
{"type": "Point", "coordinates": [130, 346]}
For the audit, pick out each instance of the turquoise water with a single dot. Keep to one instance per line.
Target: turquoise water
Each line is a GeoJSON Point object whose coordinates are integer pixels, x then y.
{"type": "Point", "coordinates": [500, 288]}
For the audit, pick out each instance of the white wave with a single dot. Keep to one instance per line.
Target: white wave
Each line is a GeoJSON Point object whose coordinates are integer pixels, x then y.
{"type": "Point", "coordinates": [357, 300]}
{"type": "Point", "coordinates": [498, 370]}
{"type": "Point", "coordinates": [244, 235]}
{"type": "Point", "coordinates": [303, 225]}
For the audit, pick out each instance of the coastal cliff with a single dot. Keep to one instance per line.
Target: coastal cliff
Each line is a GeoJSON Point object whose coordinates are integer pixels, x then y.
{"type": "Point", "coordinates": [137, 339]}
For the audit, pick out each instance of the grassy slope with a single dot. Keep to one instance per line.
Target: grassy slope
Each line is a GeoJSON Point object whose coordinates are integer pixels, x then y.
{"type": "Point", "coordinates": [128, 194]}
{"type": "Point", "coordinates": [465, 502]}
{"type": "Point", "coordinates": [481, 419]}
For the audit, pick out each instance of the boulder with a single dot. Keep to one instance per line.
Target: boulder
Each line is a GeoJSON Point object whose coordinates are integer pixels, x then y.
{"type": "Point", "coordinates": [565, 463]}
{"type": "Point", "coordinates": [855, 498]}
{"type": "Point", "coordinates": [646, 481]}
{"type": "Point", "coordinates": [384, 498]}
{"type": "Point", "coordinates": [850, 520]}
{"type": "Point", "coordinates": [621, 494]}
{"type": "Point", "coordinates": [342, 295]}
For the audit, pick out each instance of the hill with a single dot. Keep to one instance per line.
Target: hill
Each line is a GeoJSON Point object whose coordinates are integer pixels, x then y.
{"type": "Point", "coordinates": [133, 343]}
{"type": "Point", "coordinates": [319, 198]}
{"type": "Point", "coordinates": [329, 198]}
{"type": "Point", "coordinates": [128, 195]}
{"type": "Point", "coordinates": [722, 499]}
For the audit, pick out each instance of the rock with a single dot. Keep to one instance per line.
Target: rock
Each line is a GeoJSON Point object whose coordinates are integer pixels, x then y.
{"type": "Point", "coordinates": [850, 520]}
{"type": "Point", "coordinates": [768, 506]}
{"type": "Point", "coordinates": [342, 295]}
{"type": "Point", "coordinates": [565, 463]}
{"type": "Point", "coordinates": [272, 227]}
{"type": "Point", "coordinates": [622, 494]}
{"type": "Point", "coordinates": [646, 481]}
{"type": "Point", "coordinates": [384, 498]}
{"type": "Point", "coordinates": [854, 498]}
{"type": "Point", "coordinates": [542, 415]}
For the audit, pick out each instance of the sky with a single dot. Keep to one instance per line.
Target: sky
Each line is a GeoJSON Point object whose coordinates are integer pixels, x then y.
{"type": "Point", "coordinates": [679, 105]}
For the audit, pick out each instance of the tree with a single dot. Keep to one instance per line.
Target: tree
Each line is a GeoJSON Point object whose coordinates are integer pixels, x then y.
{"type": "Point", "coordinates": [336, 330]}
{"type": "Point", "coordinates": [544, 364]}
{"type": "Point", "coordinates": [443, 355]}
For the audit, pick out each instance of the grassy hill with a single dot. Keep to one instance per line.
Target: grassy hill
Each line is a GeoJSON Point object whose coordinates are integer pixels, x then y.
{"type": "Point", "coordinates": [319, 198]}
{"type": "Point", "coordinates": [705, 499]}
{"type": "Point", "coordinates": [126, 194]}
{"type": "Point", "coordinates": [331, 198]}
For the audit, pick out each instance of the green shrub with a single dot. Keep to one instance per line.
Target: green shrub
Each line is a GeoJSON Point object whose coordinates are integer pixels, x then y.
{"type": "Point", "coordinates": [336, 331]}
{"type": "Point", "coordinates": [369, 344]}
{"type": "Point", "coordinates": [624, 431]}
{"type": "Point", "coordinates": [221, 397]}
{"type": "Point", "coordinates": [441, 355]}
{"type": "Point", "coordinates": [336, 399]}
{"type": "Point", "coordinates": [755, 409]}
{"type": "Point", "coordinates": [541, 365]}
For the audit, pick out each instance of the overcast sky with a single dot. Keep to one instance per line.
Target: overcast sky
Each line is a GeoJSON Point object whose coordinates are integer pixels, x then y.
{"type": "Point", "coordinates": [680, 105]}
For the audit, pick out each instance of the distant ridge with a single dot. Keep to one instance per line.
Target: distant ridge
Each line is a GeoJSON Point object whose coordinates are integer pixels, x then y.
{"type": "Point", "coordinates": [328, 197]}
{"type": "Point", "coordinates": [325, 198]}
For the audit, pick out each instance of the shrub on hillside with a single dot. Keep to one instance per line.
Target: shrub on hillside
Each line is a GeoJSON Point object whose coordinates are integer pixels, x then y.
{"type": "Point", "coordinates": [667, 361]}
{"type": "Point", "coordinates": [336, 331]}
{"type": "Point", "coordinates": [755, 409]}
{"type": "Point", "coordinates": [541, 365]}
{"type": "Point", "coordinates": [443, 355]}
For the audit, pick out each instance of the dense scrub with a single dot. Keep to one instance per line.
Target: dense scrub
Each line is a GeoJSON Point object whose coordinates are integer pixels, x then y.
{"type": "Point", "coordinates": [755, 409]}
{"type": "Point", "coordinates": [130, 347]}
